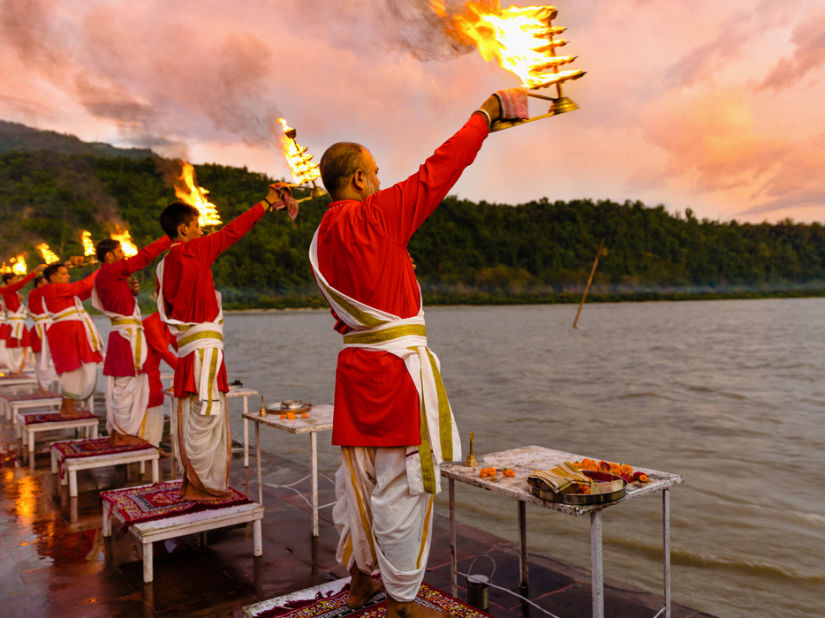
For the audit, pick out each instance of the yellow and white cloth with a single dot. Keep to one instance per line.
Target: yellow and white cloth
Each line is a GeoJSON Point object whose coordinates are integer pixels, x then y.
{"type": "Point", "coordinates": [406, 338]}
{"type": "Point", "coordinates": [127, 397]}
{"type": "Point", "coordinates": [381, 525]}
{"type": "Point", "coordinates": [44, 365]}
{"type": "Point", "coordinates": [205, 338]}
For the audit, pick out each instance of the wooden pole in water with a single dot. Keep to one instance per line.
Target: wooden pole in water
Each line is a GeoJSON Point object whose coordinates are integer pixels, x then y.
{"type": "Point", "coordinates": [589, 281]}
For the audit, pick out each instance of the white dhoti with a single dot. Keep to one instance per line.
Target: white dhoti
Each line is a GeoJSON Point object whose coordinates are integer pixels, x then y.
{"type": "Point", "coordinates": [44, 368]}
{"type": "Point", "coordinates": [127, 398]}
{"type": "Point", "coordinates": [79, 384]}
{"type": "Point", "coordinates": [205, 445]}
{"type": "Point", "coordinates": [4, 359]}
{"type": "Point", "coordinates": [381, 524]}
{"type": "Point", "coordinates": [153, 426]}
{"type": "Point", "coordinates": [16, 358]}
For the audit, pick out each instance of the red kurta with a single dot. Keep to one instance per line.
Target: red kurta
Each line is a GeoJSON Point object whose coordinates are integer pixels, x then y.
{"type": "Point", "coordinates": [362, 252]}
{"type": "Point", "coordinates": [189, 290]}
{"type": "Point", "coordinates": [11, 301]}
{"type": "Point", "coordinates": [158, 339]}
{"type": "Point", "coordinates": [68, 344]}
{"type": "Point", "coordinates": [36, 309]}
{"type": "Point", "coordinates": [116, 296]}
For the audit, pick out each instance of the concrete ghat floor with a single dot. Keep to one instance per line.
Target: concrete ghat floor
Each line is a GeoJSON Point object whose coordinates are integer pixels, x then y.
{"type": "Point", "coordinates": [54, 560]}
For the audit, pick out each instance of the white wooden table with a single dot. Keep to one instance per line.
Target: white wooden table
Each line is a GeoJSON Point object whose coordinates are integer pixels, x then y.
{"type": "Point", "coordinates": [71, 465]}
{"type": "Point", "coordinates": [89, 426]}
{"type": "Point", "coordinates": [234, 391]}
{"type": "Point", "coordinates": [523, 461]}
{"type": "Point", "coordinates": [15, 404]}
{"type": "Point", "coordinates": [318, 419]}
{"type": "Point", "coordinates": [188, 523]}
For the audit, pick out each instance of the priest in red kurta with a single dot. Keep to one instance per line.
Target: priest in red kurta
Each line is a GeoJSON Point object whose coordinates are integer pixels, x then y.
{"type": "Point", "coordinates": [190, 305]}
{"type": "Point", "coordinates": [43, 364]}
{"type": "Point", "coordinates": [392, 417]}
{"type": "Point", "coordinates": [18, 343]}
{"type": "Point", "coordinates": [127, 385]}
{"type": "Point", "coordinates": [74, 342]}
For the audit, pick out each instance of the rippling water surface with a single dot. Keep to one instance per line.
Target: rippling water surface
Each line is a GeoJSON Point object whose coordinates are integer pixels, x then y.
{"type": "Point", "coordinates": [729, 394]}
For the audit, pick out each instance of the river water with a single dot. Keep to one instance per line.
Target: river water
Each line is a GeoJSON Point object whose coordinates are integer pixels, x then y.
{"type": "Point", "coordinates": [730, 394]}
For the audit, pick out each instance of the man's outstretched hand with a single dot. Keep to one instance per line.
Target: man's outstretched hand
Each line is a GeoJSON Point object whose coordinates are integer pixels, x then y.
{"type": "Point", "coordinates": [280, 196]}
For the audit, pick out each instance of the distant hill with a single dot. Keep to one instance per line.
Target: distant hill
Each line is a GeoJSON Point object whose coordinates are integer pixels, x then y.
{"type": "Point", "coordinates": [16, 137]}
{"type": "Point", "coordinates": [53, 186]}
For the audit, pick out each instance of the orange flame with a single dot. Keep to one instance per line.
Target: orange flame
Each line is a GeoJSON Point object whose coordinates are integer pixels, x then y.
{"type": "Point", "coordinates": [125, 238]}
{"type": "Point", "coordinates": [190, 193]}
{"type": "Point", "coordinates": [521, 39]}
{"type": "Point", "coordinates": [304, 170]}
{"type": "Point", "coordinates": [48, 256]}
{"type": "Point", "coordinates": [18, 265]}
{"type": "Point", "coordinates": [88, 245]}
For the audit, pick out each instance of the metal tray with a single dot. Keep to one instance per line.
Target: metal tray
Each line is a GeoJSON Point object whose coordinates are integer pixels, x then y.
{"type": "Point", "coordinates": [616, 490]}
{"type": "Point", "coordinates": [290, 405]}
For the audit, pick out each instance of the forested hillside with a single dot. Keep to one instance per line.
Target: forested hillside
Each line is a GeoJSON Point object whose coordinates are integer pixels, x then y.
{"type": "Point", "coordinates": [465, 253]}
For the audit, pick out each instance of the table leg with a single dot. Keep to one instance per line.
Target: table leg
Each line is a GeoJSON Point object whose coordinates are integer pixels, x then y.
{"type": "Point", "coordinates": [147, 563]}
{"type": "Point", "coordinates": [258, 457]}
{"type": "Point", "coordinates": [666, 546]}
{"type": "Point", "coordinates": [155, 471]}
{"type": "Point", "coordinates": [453, 550]}
{"type": "Point", "coordinates": [31, 444]}
{"type": "Point", "coordinates": [72, 483]}
{"type": "Point", "coordinates": [94, 431]}
{"type": "Point", "coordinates": [142, 470]}
{"type": "Point", "coordinates": [313, 441]}
{"type": "Point", "coordinates": [522, 529]}
{"type": "Point", "coordinates": [245, 432]}
{"type": "Point", "coordinates": [257, 539]}
{"type": "Point", "coordinates": [596, 564]}
{"type": "Point", "coordinates": [107, 519]}
{"type": "Point", "coordinates": [54, 460]}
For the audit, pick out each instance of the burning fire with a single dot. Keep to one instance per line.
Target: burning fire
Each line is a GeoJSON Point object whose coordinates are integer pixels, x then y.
{"type": "Point", "coordinates": [521, 39]}
{"type": "Point", "coordinates": [299, 160]}
{"type": "Point", "coordinates": [17, 265]}
{"type": "Point", "coordinates": [125, 238]}
{"type": "Point", "coordinates": [48, 256]}
{"type": "Point", "coordinates": [190, 193]}
{"type": "Point", "coordinates": [88, 245]}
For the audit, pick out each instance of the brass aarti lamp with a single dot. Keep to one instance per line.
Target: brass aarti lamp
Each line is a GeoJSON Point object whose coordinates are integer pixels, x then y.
{"type": "Point", "coordinates": [544, 71]}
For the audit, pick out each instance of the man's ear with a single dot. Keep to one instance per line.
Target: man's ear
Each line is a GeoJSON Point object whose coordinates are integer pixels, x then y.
{"type": "Point", "coordinates": [359, 178]}
{"type": "Point", "coordinates": [178, 229]}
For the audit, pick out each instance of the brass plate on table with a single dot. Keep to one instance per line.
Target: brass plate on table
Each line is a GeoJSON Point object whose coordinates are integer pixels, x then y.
{"type": "Point", "coordinates": [607, 488]}
{"type": "Point", "coordinates": [290, 405]}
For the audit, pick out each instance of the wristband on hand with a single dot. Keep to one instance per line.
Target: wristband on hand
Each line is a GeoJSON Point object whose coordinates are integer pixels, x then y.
{"type": "Point", "coordinates": [513, 103]}
{"type": "Point", "coordinates": [487, 115]}
{"type": "Point", "coordinates": [268, 204]}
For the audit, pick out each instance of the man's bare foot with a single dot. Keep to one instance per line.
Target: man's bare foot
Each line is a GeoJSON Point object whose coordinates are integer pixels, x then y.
{"type": "Point", "coordinates": [362, 587]}
{"type": "Point", "coordinates": [411, 609]}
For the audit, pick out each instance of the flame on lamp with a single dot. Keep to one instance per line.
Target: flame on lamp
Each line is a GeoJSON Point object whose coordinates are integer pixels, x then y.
{"type": "Point", "coordinates": [48, 256]}
{"type": "Point", "coordinates": [88, 245]}
{"type": "Point", "coordinates": [125, 239]}
{"type": "Point", "coordinates": [18, 265]}
{"type": "Point", "coordinates": [521, 39]}
{"type": "Point", "coordinates": [304, 170]}
{"type": "Point", "coordinates": [187, 190]}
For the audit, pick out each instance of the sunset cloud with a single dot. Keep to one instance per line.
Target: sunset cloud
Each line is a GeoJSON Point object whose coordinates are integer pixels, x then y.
{"type": "Point", "coordinates": [691, 103]}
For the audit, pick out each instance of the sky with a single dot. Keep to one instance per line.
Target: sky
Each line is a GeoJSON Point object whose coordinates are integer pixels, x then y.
{"type": "Point", "coordinates": [705, 105]}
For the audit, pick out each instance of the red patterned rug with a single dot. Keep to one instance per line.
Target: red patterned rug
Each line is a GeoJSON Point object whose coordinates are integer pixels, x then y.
{"type": "Point", "coordinates": [150, 502]}
{"type": "Point", "coordinates": [54, 417]}
{"type": "Point", "coordinates": [93, 447]}
{"type": "Point", "coordinates": [327, 601]}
